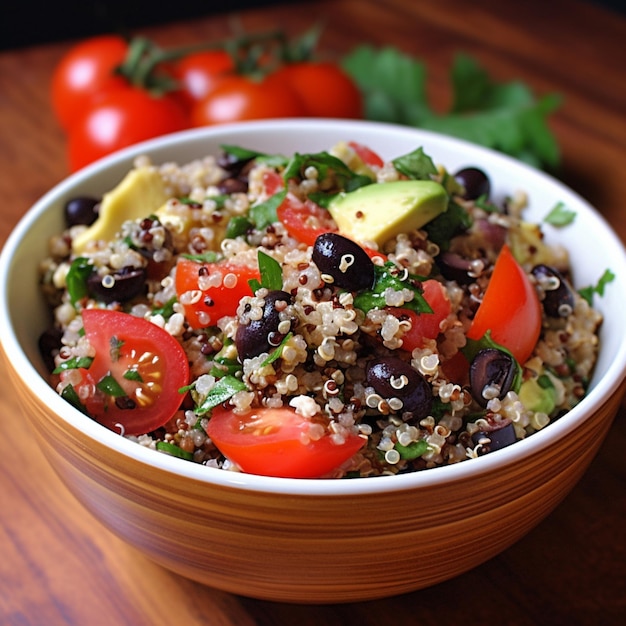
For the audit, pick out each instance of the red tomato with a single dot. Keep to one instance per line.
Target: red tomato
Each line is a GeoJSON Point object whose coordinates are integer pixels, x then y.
{"type": "Point", "coordinates": [147, 363]}
{"type": "Point", "coordinates": [425, 325]}
{"type": "Point", "coordinates": [199, 73]}
{"type": "Point", "coordinates": [120, 118]}
{"type": "Point", "coordinates": [213, 302]}
{"type": "Point", "coordinates": [85, 70]}
{"type": "Point", "coordinates": [272, 182]}
{"type": "Point", "coordinates": [323, 87]}
{"type": "Point", "coordinates": [270, 442]}
{"type": "Point", "coordinates": [367, 155]}
{"type": "Point", "coordinates": [304, 221]}
{"type": "Point", "coordinates": [238, 98]}
{"type": "Point", "coordinates": [510, 309]}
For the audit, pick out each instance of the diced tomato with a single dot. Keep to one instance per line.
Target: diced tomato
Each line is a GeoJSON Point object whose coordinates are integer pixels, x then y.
{"type": "Point", "coordinates": [304, 221]}
{"type": "Point", "coordinates": [210, 291]}
{"type": "Point", "coordinates": [510, 309]}
{"type": "Point", "coordinates": [367, 155]}
{"type": "Point", "coordinates": [424, 325]}
{"type": "Point", "coordinates": [272, 182]}
{"type": "Point", "coordinates": [274, 442]}
{"type": "Point", "coordinates": [133, 382]}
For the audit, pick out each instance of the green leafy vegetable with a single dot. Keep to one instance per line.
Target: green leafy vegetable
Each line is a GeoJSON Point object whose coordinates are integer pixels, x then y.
{"type": "Point", "coordinates": [448, 224]}
{"type": "Point", "coordinates": [110, 386]}
{"type": "Point", "coordinates": [416, 165]}
{"type": "Point", "coordinates": [207, 257]}
{"type": "Point", "coordinates": [72, 364]}
{"type": "Point", "coordinates": [173, 450]}
{"type": "Point", "coordinates": [237, 226]}
{"type": "Point", "coordinates": [224, 388]}
{"type": "Point", "coordinates": [69, 395]}
{"type": "Point", "coordinates": [502, 116]}
{"type": "Point", "coordinates": [271, 274]}
{"type": "Point", "coordinates": [167, 310]}
{"type": "Point", "coordinates": [588, 292]}
{"type": "Point", "coordinates": [390, 277]}
{"type": "Point", "coordinates": [277, 352]}
{"type": "Point", "coordinates": [560, 215]}
{"type": "Point", "coordinates": [76, 279]}
{"type": "Point", "coordinates": [264, 213]}
{"type": "Point", "coordinates": [413, 451]}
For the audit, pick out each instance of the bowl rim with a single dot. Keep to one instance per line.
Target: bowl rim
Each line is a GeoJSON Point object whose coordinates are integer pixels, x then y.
{"type": "Point", "coordinates": [293, 486]}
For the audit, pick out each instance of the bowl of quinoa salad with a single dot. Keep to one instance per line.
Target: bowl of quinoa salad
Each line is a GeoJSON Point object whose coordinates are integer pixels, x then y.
{"type": "Point", "coordinates": [271, 354]}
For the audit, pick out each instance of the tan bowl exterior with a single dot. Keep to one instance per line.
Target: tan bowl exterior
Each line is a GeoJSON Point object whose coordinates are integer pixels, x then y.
{"type": "Point", "coordinates": [312, 548]}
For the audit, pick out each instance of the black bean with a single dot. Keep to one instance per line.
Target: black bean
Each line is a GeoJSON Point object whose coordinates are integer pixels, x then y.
{"type": "Point", "coordinates": [263, 335]}
{"type": "Point", "coordinates": [455, 267]}
{"type": "Point", "coordinates": [49, 343]}
{"type": "Point", "coordinates": [559, 298]}
{"type": "Point", "coordinates": [496, 439]}
{"type": "Point", "coordinates": [120, 286]}
{"type": "Point", "coordinates": [491, 368]}
{"type": "Point", "coordinates": [391, 377]}
{"type": "Point", "coordinates": [475, 182]}
{"type": "Point", "coordinates": [81, 211]}
{"type": "Point", "coordinates": [344, 261]}
{"type": "Point", "coordinates": [232, 163]}
{"type": "Point", "coordinates": [233, 185]}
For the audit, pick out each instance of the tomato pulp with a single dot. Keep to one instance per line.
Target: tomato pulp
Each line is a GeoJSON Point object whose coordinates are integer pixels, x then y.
{"type": "Point", "coordinates": [274, 442]}
{"type": "Point", "coordinates": [510, 309]}
{"type": "Point", "coordinates": [135, 375]}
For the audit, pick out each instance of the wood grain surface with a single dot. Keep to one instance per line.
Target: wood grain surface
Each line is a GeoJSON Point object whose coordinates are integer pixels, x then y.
{"type": "Point", "coordinates": [59, 566]}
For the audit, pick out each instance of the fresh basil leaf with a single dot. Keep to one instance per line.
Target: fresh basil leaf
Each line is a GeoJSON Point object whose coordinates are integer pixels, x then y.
{"type": "Point", "coordinates": [264, 213]}
{"type": "Point", "coordinates": [448, 224]}
{"type": "Point", "coordinates": [413, 451]}
{"type": "Point", "coordinates": [167, 310]}
{"type": "Point", "coordinates": [108, 385]}
{"type": "Point", "coordinates": [223, 389]}
{"type": "Point", "coordinates": [560, 215]}
{"type": "Point", "coordinates": [72, 364]}
{"type": "Point", "coordinates": [389, 276]}
{"type": "Point", "coordinates": [416, 165]}
{"type": "Point", "coordinates": [240, 153]}
{"type": "Point", "coordinates": [133, 374]}
{"type": "Point", "coordinates": [271, 272]}
{"type": "Point", "coordinates": [277, 352]}
{"type": "Point", "coordinates": [69, 394]}
{"type": "Point", "coordinates": [238, 225]}
{"type": "Point", "coordinates": [173, 450]}
{"type": "Point", "coordinates": [206, 257]}
{"type": "Point", "coordinates": [325, 164]}
{"type": "Point", "coordinates": [76, 279]}
{"type": "Point", "coordinates": [588, 292]}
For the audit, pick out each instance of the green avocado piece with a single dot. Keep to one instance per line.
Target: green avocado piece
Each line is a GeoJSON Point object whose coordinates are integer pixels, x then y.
{"type": "Point", "coordinates": [536, 397]}
{"type": "Point", "coordinates": [139, 194]}
{"type": "Point", "coordinates": [381, 211]}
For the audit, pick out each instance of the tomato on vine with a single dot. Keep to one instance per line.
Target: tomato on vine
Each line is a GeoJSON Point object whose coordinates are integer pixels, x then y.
{"type": "Point", "coordinates": [200, 72]}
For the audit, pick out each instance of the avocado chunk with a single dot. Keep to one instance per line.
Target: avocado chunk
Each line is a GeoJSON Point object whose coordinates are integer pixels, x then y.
{"type": "Point", "coordinates": [538, 395]}
{"type": "Point", "coordinates": [381, 211]}
{"type": "Point", "coordinates": [138, 195]}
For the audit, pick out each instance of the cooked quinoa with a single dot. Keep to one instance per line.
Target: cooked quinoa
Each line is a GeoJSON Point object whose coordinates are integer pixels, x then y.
{"type": "Point", "coordinates": [333, 347]}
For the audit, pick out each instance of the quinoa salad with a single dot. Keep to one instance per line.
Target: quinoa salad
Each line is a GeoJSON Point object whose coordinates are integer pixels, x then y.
{"type": "Point", "coordinates": [316, 315]}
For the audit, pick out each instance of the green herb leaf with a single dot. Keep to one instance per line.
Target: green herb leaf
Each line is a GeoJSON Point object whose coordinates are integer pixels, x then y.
{"type": "Point", "coordinates": [173, 450]}
{"type": "Point", "coordinates": [237, 226]}
{"type": "Point", "coordinates": [417, 165]}
{"type": "Point", "coordinates": [167, 310]}
{"type": "Point", "coordinates": [271, 273]}
{"type": "Point", "coordinates": [108, 385]}
{"type": "Point", "coordinates": [133, 374]}
{"type": "Point", "coordinates": [588, 292]}
{"type": "Point", "coordinates": [277, 352]}
{"type": "Point", "coordinates": [76, 279]}
{"type": "Point", "coordinates": [448, 224]}
{"type": "Point", "coordinates": [389, 276]}
{"type": "Point", "coordinates": [326, 165]}
{"type": "Point", "coordinates": [223, 389]}
{"type": "Point", "coordinates": [207, 257]}
{"type": "Point", "coordinates": [69, 394]}
{"type": "Point", "coordinates": [264, 213]}
{"type": "Point", "coordinates": [560, 215]}
{"type": "Point", "coordinates": [72, 364]}
{"type": "Point", "coordinates": [413, 451]}
{"type": "Point", "coordinates": [502, 116]}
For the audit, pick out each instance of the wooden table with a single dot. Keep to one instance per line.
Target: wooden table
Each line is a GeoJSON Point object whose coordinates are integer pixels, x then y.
{"type": "Point", "coordinates": [58, 566]}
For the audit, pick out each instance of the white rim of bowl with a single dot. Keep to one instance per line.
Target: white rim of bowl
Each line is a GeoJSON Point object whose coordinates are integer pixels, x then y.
{"type": "Point", "coordinates": [294, 486]}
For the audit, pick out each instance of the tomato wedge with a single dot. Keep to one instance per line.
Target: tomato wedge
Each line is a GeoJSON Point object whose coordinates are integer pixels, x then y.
{"type": "Point", "coordinates": [424, 325]}
{"type": "Point", "coordinates": [209, 291]}
{"type": "Point", "coordinates": [135, 377]}
{"type": "Point", "coordinates": [366, 154]}
{"type": "Point", "coordinates": [304, 221]}
{"type": "Point", "coordinates": [270, 442]}
{"type": "Point", "coordinates": [510, 309]}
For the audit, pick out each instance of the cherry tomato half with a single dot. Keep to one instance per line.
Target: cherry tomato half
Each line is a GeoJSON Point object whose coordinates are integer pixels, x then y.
{"type": "Point", "coordinates": [135, 377]}
{"type": "Point", "coordinates": [323, 87]}
{"type": "Point", "coordinates": [272, 442]}
{"type": "Point", "coordinates": [424, 325]}
{"type": "Point", "coordinates": [226, 284]}
{"type": "Point", "coordinates": [88, 68]}
{"type": "Point", "coordinates": [510, 309]}
{"type": "Point", "coordinates": [367, 155]}
{"type": "Point", "coordinates": [119, 118]}
{"type": "Point", "coordinates": [238, 98]}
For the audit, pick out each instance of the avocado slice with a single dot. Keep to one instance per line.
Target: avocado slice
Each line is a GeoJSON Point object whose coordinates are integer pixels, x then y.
{"type": "Point", "coordinates": [381, 211]}
{"type": "Point", "coordinates": [141, 193]}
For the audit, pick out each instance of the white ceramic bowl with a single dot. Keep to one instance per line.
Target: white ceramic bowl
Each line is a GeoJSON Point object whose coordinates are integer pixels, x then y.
{"type": "Point", "coordinates": [315, 540]}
